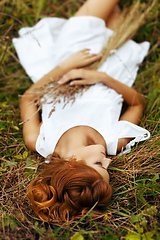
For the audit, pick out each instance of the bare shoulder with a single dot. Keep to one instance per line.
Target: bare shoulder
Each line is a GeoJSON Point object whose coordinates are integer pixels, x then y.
{"type": "Point", "coordinates": [122, 142]}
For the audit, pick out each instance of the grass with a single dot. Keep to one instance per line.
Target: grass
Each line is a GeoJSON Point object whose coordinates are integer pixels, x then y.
{"type": "Point", "coordinates": [134, 210]}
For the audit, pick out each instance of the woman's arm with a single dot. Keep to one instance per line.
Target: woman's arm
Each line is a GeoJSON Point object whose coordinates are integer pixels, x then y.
{"type": "Point", "coordinates": [31, 127]}
{"type": "Point", "coordinates": [30, 114]}
{"type": "Point", "coordinates": [134, 100]}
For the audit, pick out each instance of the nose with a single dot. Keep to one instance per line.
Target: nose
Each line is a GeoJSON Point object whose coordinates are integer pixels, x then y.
{"type": "Point", "coordinates": [106, 162]}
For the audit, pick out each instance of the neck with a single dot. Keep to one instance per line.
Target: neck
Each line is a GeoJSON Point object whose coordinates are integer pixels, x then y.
{"type": "Point", "coordinates": [76, 138]}
{"type": "Point", "coordinates": [67, 146]}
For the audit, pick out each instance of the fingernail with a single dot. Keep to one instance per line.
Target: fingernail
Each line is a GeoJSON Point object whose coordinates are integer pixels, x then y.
{"type": "Point", "coordinates": [71, 83]}
{"type": "Point", "coordinates": [59, 82]}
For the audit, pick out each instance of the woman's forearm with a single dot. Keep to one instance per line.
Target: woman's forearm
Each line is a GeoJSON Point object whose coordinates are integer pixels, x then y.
{"type": "Point", "coordinates": [55, 73]}
{"type": "Point", "coordinates": [130, 95]}
{"type": "Point", "coordinates": [30, 110]}
{"type": "Point", "coordinates": [89, 77]}
{"type": "Point", "coordinates": [79, 59]}
{"type": "Point", "coordinates": [134, 100]}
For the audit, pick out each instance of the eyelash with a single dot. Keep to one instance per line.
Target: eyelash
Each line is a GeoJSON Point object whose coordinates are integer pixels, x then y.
{"type": "Point", "coordinates": [98, 163]}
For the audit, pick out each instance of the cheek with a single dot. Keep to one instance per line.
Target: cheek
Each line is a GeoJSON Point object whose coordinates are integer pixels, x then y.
{"type": "Point", "coordinates": [102, 172]}
{"type": "Point", "coordinates": [91, 158]}
{"type": "Point", "coordinates": [105, 176]}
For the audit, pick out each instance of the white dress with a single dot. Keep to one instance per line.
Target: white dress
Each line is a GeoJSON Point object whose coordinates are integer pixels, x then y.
{"type": "Point", "coordinates": [50, 41]}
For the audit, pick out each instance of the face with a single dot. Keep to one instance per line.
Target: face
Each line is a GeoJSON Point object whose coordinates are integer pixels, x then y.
{"type": "Point", "coordinates": [95, 156]}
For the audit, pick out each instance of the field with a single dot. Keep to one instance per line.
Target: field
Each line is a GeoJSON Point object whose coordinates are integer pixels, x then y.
{"type": "Point", "coordinates": [133, 213]}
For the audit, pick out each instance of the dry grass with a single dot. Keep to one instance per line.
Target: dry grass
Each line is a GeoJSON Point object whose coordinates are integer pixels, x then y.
{"type": "Point", "coordinates": [134, 210]}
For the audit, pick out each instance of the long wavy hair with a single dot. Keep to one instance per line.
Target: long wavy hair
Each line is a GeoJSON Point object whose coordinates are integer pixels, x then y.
{"type": "Point", "coordinates": [66, 190]}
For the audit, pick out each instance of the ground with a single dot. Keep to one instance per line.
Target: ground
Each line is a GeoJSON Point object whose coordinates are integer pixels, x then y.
{"type": "Point", "coordinates": [134, 210]}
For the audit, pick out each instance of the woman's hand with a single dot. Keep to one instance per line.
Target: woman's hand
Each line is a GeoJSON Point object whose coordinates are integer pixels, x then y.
{"type": "Point", "coordinates": [80, 59]}
{"type": "Point", "coordinates": [82, 77]}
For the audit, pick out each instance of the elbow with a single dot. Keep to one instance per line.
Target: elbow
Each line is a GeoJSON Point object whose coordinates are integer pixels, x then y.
{"type": "Point", "coordinates": [142, 106]}
{"type": "Point", "coordinates": [25, 100]}
{"type": "Point", "coordinates": [27, 96]}
{"type": "Point", "coordinates": [30, 142]}
{"type": "Point", "coordinates": [141, 109]}
{"type": "Point", "coordinates": [141, 102]}
{"type": "Point", "coordinates": [21, 101]}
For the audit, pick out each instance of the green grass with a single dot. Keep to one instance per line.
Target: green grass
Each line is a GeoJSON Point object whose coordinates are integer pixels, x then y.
{"type": "Point", "coordinates": [134, 210]}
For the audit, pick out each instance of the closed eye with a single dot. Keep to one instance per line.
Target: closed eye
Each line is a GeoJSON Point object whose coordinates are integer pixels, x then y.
{"type": "Point", "coordinates": [98, 163]}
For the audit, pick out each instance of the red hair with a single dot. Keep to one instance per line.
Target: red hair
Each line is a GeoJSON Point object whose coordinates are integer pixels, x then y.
{"type": "Point", "coordinates": [65, 190]}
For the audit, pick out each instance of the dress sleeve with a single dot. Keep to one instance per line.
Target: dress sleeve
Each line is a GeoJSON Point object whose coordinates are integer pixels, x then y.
{"type": "Point", "coordinates": [41, 145]}
{"type": "Point", "coordinates": [129, 130]}
{"type": "Point", "coordinates": [35, 46]}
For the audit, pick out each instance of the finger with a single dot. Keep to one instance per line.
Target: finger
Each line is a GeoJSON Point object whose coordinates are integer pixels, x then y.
{"type": "Point", "coordinates": [78, 82]}
{"type": "Point", "coordinates": [73, 74]}
{"type": "Point", "coordinates": [93, 55]}
{"type": "Point", "coordinates": [86, 50]}
{"type": "Point", "coordinates": [90, 55]}
{"type": "Point", "coordinates": [94, 58]}
{"type": "Point", "coordinates": [66, 78]}
{"type": "Point", "coordinates": [97, 56]}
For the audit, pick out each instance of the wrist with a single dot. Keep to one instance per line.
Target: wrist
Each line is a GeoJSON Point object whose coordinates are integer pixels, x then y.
{"type": "Point", "coordinates": [64, 67]}
{"type": "Point", "coordinates": [104, 78]}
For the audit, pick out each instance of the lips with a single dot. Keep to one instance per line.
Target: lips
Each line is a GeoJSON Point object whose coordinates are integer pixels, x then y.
{"type": "Point", "coordinates": [103, 153]}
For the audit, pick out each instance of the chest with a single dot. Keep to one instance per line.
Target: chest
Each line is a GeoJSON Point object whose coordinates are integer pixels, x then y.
{"type": "Point", "coordinates": [85, 134]}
